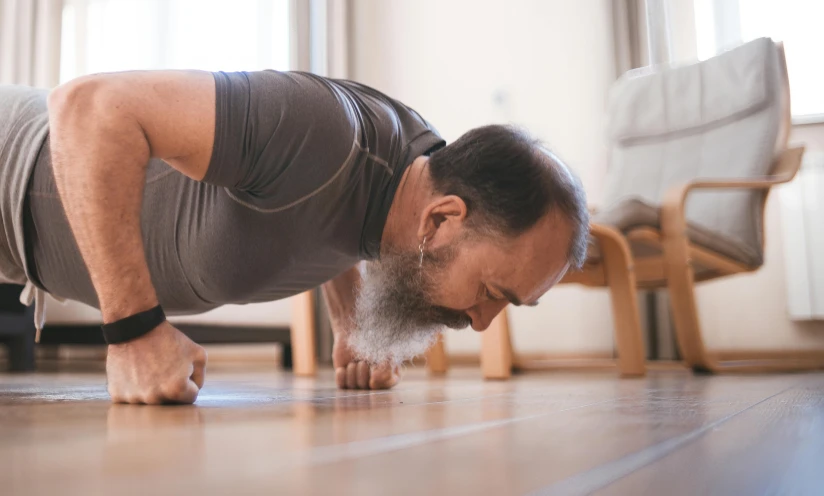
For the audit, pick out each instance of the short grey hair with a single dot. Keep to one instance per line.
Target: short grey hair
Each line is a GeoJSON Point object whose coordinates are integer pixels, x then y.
{"type": "Point", "coordinates": [509, 181]}
{"type": "Point", "coordinates": [568, 197]}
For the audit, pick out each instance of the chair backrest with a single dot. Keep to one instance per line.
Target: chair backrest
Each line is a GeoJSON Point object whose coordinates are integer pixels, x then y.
{"type": "Point", "coordinates": [725, 117]}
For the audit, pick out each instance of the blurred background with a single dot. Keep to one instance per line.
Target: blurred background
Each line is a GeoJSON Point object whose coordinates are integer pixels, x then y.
{"type": "Point", "coordinates": [543, 64]}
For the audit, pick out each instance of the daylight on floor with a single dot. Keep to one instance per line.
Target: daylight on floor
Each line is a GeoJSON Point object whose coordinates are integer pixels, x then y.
{"type": "Point", "coordinates": [404, 247]}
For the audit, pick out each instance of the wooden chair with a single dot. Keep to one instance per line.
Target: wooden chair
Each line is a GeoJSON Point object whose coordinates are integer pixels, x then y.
{"type": "Point", "coordinates": [682, 139]}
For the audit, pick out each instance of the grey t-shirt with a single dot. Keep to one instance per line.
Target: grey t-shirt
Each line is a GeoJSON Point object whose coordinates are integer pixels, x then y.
{"type": "Point", "coordinates": [301, 179]}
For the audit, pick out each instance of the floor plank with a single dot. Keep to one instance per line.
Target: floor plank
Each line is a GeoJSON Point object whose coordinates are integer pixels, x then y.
{"type": "Point", "coordinates": [774, 447]}
{"type": "Point", "coordinates": [547, 433]}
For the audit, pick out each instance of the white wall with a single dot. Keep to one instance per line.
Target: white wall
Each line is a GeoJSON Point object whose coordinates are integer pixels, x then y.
{"type": "Point", "coordinates": [750, 311]}
{"type": "Point", "coordinates": [543, 64]}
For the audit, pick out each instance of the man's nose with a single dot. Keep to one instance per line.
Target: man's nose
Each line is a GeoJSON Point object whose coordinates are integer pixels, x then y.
{"type": "Point", "coordinates": [484, 313]}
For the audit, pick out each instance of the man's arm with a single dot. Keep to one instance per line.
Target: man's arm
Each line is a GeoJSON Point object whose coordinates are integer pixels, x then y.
{"type": "Point", "coordinates": [103, 130]}
{"type": "Point", "coordinates": [350, 373]}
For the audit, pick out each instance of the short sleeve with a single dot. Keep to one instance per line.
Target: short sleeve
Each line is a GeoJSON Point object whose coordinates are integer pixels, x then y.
{"type": "Point", "coordinates": [279, 136]}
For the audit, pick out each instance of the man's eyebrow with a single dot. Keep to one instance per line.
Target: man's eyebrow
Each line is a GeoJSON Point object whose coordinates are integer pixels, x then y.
{"type": "Point", "coordinates": [509, 295]}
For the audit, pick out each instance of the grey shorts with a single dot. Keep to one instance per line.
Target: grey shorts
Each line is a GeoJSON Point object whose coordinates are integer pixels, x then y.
{"type": "Point", "coordinates": [24, 126]}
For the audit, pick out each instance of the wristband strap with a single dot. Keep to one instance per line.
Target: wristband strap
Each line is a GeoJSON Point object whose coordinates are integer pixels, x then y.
{"type": "Point", "coordinates": [134, 326]}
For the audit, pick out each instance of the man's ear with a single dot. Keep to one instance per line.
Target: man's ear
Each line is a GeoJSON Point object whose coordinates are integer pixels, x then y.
{"type": "Point", "coordinates": [444, 215]}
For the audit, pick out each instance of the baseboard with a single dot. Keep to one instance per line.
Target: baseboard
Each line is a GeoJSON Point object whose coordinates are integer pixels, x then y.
{"type": "Point", "coordinates": [548, 361]}
{"type": "Point", "coordinates": [747, 355]}
{"type": "Point", "coordinates": [261, 353]}
{"type": "Point", "coordinates": [543, 360]}
{"type": "Point", "coordinates": [525, 360]}
{"type": "Point", "coordinates": [229, 345]}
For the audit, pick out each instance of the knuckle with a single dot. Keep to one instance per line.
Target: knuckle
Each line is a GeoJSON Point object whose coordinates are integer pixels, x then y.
{"type": "Point", "coordinates": [201, 355]}
{"type": "Point", "coordinates": [175, 389]}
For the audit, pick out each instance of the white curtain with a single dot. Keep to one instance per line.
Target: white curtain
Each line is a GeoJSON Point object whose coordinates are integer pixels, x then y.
{"type": "Point", "coordinates": [30, 42]}
{"type": "Point", "coordinates": [321, 43]}
{"type": "Point", "coordinates": [629, 35]}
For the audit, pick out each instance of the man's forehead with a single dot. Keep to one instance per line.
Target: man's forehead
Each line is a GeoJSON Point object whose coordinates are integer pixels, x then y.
{"type": "Point", "coordinates": [526, 286]}
{"type": "Point", "coordinates": [525, 268]}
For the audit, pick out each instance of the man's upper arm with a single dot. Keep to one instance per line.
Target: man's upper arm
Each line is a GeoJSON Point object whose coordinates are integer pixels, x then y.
{"type": "Point", "coordinates": [175, 110]}
{"type": "Point", "coordinates": [272, 137]}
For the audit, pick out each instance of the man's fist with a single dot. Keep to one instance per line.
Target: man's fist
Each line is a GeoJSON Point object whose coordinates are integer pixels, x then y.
{"type": "Point", "coordinates": [163, 366]}
{"type": "Point", "coordinates": [354, 374]}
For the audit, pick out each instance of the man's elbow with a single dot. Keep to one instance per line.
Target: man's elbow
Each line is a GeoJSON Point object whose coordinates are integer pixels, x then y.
{"type": "Point", "coordinates": [85, 102]}
{"type": "Point", "coordinates": [93, 112]}
{"type": "Point", "coordinates": [76, 97]}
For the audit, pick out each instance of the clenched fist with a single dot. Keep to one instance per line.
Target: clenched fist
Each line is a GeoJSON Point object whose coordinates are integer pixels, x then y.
{"type": "Point", "coordinates": [354, 374]}
{"type": "Point", "coordinates": [163, 366]}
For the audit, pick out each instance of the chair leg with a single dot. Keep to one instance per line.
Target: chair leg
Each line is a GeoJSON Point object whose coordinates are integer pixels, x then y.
{"type": "Point", "coordinates": [496, 349]}
{"type": "Point", "coordinates": [681, 285]}
{"type": "Point", "coordinates": [623, 293]}
{"type": "Point", "coordinates": [436, 357]}
{"type": "Point", "coordinates": [303, 334]}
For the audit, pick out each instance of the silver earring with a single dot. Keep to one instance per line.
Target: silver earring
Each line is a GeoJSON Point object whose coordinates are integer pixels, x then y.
{"type": "Point", "coordinates": [420, 247]}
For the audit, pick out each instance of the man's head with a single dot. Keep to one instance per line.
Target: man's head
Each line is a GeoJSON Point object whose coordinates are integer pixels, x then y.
{"type": "Point", "coordinates": [499, 220]}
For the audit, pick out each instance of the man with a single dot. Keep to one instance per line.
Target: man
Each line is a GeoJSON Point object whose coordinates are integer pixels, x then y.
{"type": "Point", "coordinates": [182, 191]}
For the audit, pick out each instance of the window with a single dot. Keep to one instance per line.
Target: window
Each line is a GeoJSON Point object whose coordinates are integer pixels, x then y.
{"type": "Point", "coordinates": [721, 24]}
{"type": "Point", "coordinates": [226, 35]}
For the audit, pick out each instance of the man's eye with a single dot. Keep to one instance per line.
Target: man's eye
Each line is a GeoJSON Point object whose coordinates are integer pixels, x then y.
{"type": "Point", "coordinates": [488, 294]}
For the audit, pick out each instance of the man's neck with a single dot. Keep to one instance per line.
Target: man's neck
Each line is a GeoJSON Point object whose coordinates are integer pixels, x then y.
{"type": "Point", "coordinates": [415, 189]}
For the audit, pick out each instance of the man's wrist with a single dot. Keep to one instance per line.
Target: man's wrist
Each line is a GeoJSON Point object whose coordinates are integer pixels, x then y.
{"type": "Point", "coordinates": [120, 309]}
{"type": "Point", "coordinates": [134, 326]}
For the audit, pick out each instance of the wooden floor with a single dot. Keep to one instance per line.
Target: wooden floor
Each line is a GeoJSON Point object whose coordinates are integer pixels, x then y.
{"type": "Point", "coordinates": [541, 433]}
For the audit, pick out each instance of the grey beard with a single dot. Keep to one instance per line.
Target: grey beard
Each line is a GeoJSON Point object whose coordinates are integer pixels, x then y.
{"type": "Point", "coordinates": [395, 320]}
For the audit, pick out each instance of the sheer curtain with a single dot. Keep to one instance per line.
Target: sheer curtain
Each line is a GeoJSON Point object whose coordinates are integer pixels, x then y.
{"type": "Point", "coordinates": [30, 42]}
{"type": "Point", "coordinates": [629, 35]}
{"type": "Point", "coordinates": [227, 35]}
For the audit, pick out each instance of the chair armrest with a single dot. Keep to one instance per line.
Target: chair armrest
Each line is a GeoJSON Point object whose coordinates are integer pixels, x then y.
{"type": "Point", "coordinates": [673, 220]}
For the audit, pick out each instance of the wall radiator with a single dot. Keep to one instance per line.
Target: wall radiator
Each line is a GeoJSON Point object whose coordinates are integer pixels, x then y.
{"type": "Point", "coordinates": [802, 203]}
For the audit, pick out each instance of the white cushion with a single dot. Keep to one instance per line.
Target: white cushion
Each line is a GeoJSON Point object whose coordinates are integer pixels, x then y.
{"type": "Point", "coordinates": [692, 97]}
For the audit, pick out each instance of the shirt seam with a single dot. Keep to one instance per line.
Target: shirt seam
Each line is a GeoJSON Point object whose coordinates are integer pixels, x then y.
{"type": "Point", "coordinates": [349, 159]}
{"type": "Point", "coordinates": [377, 160]}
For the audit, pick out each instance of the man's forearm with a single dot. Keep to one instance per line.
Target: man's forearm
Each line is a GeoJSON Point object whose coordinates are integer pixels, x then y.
{"type": "Point", "coordinates": [99, 157]}
{"type": "Point", "coordinates": [340, 294]}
